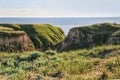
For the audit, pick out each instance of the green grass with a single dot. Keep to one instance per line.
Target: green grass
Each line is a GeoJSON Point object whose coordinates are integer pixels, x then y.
{"type": "Point", "coordinates": [43, 36]}
{"type": "Point", "coordinates": [6, 29]}
{"type": "Point", "coordinates": [95, 63]}
{"type": "Point", "coordinates": [102, 61]}
{"type": "Point", "coordinates": [11, 33]}
{"type": "Point", "coordinates": [93, 35]}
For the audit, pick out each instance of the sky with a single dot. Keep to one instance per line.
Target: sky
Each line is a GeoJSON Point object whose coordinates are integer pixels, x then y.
{"type": "Point", "coordinates": [59, 8]}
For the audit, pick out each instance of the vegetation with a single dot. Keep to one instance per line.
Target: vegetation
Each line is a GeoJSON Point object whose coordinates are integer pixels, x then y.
{"type": "Point", "coordinates": [102, 62]}
{"type": "Point", "coordinates": [15, 41]}
{"type": "Point", "coordinates": [89, 36]}
{"type": "Point", "coordinates": [93, 63]}
{"type": "Point", "coordinates": [43, 36]}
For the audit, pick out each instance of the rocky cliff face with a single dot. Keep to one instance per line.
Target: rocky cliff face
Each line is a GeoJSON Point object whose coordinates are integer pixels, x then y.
{"type": "Point", "coordinates": [15, 41]}
{"type": "Point", "coordinates": [114, 38]}
{"type": "Point", "coordinates": [88, 36]}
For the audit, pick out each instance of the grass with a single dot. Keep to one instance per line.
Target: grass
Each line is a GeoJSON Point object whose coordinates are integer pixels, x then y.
{"type": "Point", "coordinates": [89, 36]}
{"type": "Point", "coordinates": [100, 62]}
{"type": "Point", "coordinates": [95, 63]}
{"type": "Point", "coordinates": [43, 36]}
{"type": "Point", "coordinates": [11, 33]}
{"type": "Point", "coordinates": [5, 29]}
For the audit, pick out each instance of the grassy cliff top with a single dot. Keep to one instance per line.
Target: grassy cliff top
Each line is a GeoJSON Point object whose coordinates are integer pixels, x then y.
{"type": "Point", "coordinates": [11, 33]}
{"type": "Point", "coordinates": [100, 28]}
{"type": "Point", "coordinates": [89, 36]}
{"type": "Point", "coordinates": [42, 35]}
{"type": "Point", "coordinates": [5, 29]}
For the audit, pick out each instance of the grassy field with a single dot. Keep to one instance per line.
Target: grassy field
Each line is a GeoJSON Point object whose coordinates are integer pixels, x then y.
{"type": "Point", "coordinates": [102, 62]}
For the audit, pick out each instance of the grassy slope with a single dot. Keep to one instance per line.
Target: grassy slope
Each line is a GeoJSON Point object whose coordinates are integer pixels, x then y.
{"type": "Point", "coordinates": [101, 32]}
{"type": "Point", "coordinates": [89, 36]}
{"type": "Point", "coordinates": [102, 62]}
{"type": "Point", "coordinates": [42, 35]}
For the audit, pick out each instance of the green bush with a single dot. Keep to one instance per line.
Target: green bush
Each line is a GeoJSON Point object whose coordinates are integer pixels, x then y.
{"type": "Point", "coordinates": [28, 58]}
{"type": "Point", "coordinates": [34, 56]}
{"type": "Point", "coordinates": [50, 52]}
{"type": "Point", "coordinates": [72, 65]}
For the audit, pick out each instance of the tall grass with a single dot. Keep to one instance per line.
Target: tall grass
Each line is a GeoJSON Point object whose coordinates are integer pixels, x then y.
{"type": "Point", "coordinates": [72, 65]}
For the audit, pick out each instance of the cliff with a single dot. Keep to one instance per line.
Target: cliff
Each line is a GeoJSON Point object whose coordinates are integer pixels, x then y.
{"type": "Point", "coordinates": [15, 41]}
{"type": "Point", "coordinates": [43, 36]}
{"type": "Point", "coordinates": [89, 36]}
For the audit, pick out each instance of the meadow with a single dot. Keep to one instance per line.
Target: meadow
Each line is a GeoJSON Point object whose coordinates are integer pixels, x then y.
{"type": "Point", "coordinates": [27, 52]}
{"type": "Point", "coordinates": [96, 63]}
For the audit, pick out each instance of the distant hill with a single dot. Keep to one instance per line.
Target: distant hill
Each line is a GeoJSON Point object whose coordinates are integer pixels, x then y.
{"type": "Point", "coordinates": [89, 36]}
{"type": "Point", "coordinates": [43, 36]}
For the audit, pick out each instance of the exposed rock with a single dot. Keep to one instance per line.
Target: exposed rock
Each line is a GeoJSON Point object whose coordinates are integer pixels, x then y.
{"type": "Point", "coordinates": [43, 36]}
{"type": "Point", "coordinates": [114, 38]}
{"type": "Point", "coordinates": [14, 41]}
{"type": "Point", "coordinates": [89, 36]}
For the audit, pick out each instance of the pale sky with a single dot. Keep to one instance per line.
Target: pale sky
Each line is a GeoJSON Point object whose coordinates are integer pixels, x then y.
{"type": "Point", "coordinates": [59, 8]}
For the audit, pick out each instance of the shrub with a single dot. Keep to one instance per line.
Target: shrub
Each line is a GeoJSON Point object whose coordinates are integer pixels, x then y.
{"type": "Point", "coordinates": [28, 58]}
{"type": "Point", "coordinates": [21, 75]}
{"type": "Point", "coordinates": [50, 52]}
{"type": "Point", "coordinates": [33, 56]}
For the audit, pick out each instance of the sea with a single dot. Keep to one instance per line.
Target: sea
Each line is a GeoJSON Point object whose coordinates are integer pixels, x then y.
{"type": "Point", "coordinates": [64, 23]}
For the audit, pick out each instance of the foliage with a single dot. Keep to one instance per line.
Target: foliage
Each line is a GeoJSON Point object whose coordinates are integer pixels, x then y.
{"type": "Point", "coordinates": [42, 35]}
{"type": "Point", "coordinates": [72, 65]}
{"type": "Point", "coordinates": [50, 52]}
{"type": "Point", "coordinates": [90, 36]}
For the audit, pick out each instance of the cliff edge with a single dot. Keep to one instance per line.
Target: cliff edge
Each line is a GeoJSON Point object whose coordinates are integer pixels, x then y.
{"type": "Point", "coordinates": [89, 36]}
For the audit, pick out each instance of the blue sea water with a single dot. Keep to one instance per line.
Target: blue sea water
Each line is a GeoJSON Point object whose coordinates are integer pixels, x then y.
{"type": "Point", "coordinates": [65, 23]}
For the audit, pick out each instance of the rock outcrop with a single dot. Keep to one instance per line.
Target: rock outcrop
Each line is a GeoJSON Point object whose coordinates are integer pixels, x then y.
{"type": "Point", "coordinates": [15, 41]}
{"type": "Point", "coordinates": [89, 36]}
{"type": "Point", "coordinates": [114, 38]}
{"type": "Point", "coordinates": [43, 36]}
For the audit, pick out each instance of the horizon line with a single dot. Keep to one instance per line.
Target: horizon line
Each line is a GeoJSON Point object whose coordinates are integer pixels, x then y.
{"type": "Point", "coordinates": [64, 17]}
